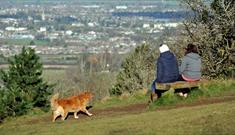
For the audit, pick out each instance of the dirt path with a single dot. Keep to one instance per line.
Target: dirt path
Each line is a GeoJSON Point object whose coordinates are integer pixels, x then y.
{"type": "Point", "coordinates": [137, 108]}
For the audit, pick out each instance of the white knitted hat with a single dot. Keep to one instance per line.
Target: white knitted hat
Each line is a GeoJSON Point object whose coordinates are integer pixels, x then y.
{"type": "Point", "coordinates": [163, 48]}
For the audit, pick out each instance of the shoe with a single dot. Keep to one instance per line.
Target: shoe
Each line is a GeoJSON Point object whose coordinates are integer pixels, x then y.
{"type": "Point", "coordinates": [185, 95]}
{"type": "Point", "coordinates": [181, 94]}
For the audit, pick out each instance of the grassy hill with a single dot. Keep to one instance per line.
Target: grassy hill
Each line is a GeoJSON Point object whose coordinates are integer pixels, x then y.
{"type": "Point", "coordinates": [195, 120]}
{"type": "Point", "coordinates": [209, 110]}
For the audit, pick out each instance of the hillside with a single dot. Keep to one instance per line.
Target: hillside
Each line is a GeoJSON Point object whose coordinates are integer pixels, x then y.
{"type": "Point", "coordinates": [214, 115]}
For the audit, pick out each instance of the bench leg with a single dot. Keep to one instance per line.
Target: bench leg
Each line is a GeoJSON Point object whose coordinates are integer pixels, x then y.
{"type": "Point", "coordinates": [155, 95]}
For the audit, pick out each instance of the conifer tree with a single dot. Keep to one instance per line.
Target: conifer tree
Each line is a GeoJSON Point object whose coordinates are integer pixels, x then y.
{"type": "Point", "coordinates": [23, 83]}
{"type": "Point", "coordinates": [137, 71]}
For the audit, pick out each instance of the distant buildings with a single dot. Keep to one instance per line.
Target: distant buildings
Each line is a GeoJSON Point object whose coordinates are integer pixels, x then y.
{"type": "Point", "coordinates": [121, 7]}
{"type": "Point", "coordinates": [81, 27]}
{"type": "Point", "coordinates": [16, 29]}
{"type": "Point", "coordinates": [42, 29]}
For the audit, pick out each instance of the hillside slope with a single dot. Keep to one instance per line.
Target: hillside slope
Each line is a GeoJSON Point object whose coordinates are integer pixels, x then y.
{"type": "Point", "coordinates": [205, 116]}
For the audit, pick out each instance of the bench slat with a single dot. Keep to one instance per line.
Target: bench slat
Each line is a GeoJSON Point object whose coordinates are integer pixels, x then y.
{"type": "Point", "coordinates": [177, 85]}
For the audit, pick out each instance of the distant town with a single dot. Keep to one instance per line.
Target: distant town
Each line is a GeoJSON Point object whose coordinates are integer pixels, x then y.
{"type": "Point", "coordinates": [65, 28]}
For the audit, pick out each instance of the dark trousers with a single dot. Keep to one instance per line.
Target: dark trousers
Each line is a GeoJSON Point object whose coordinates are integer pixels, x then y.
{"type": "Point", "coordinates": [153, 86]}
{"type": "Point", "coordinates": [154, 89]}
{"type": "Point", "coordinates": [180, 78]}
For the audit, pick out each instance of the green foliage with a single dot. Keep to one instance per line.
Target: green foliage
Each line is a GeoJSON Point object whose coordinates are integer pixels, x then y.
{"type": "Point", "coordinates": [137, 71]}
{"type": "Point", "coordinates": [24, 87]}
{"type": "Point", "coordinates": [213, 29]}
{"type": "Point", "coordinates": [2, 59]}
{"type": "Point", "coordinates": [137, 97]}
{"type": "Point", "coordinates": [32, 42]}
{"type": "Point", "coordinates": [2, 105]}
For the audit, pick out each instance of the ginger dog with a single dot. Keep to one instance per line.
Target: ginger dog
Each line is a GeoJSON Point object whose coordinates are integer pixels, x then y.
{"type": "Point", "coordinates": [71, 104]}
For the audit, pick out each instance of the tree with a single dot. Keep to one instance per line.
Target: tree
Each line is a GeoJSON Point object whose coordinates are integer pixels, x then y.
{"type": "Point", "coordinates": [137, 71]}
{"type": "Point", "coordinates": [213, 29]}
{"type": "Point", "coordinates": [23, 86]}
{"type": "Point", "coordinates": [32, 42]}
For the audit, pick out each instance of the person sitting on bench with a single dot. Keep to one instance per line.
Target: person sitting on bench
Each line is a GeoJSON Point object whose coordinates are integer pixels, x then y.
{"type": "Point", "coordinates": [190, 68]}
{"type": "Point", "coordinates": [167, 70]}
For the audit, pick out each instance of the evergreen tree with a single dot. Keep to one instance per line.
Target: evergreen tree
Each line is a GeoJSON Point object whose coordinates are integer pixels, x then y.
{"type": "Point", "coordinates": [24, 87]}
{"type": "Point", "coordinates": [137, 71]}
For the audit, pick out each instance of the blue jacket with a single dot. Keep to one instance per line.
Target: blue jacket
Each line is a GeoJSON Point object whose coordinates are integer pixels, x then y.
{"type": "Point", "coordinates": [167, 68]}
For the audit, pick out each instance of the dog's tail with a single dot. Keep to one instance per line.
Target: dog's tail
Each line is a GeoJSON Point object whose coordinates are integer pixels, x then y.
{"type": "Point", "coordinates": [54, 103]}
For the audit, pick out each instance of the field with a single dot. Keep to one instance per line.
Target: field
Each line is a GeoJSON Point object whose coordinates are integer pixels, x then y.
{"type": "Point", "coordinates": [207, 111]}
{"type": "Point", "coordinates": [25, 42]}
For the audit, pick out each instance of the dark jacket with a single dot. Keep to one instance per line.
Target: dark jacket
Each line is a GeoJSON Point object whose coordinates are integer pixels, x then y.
{"type": "Point", "coordinates": [167, 68]}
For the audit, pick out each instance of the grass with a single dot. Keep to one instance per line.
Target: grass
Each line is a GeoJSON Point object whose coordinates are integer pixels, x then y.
{"type": "Point", "coordinates": [25, 42]}
{"type": "Point", "coordinates": [215, 88]}
{"type": "Point", "coordinates": [124, 100]}
{"type": "Point", "coordinates": [207, 119]}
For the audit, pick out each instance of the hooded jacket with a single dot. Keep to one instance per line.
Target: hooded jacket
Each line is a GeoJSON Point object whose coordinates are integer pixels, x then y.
{"type": "Point", "coordinates": [167, 68]}
{"type": "Point", "coordinates": [191, 66]}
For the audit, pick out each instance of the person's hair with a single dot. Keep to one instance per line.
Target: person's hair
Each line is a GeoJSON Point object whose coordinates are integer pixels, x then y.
{"type": "Point", "coordinates": [191, 48]}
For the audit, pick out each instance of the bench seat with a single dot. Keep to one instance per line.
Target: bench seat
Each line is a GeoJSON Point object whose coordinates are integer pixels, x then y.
{"type": "Point", "coordinates": [177, 85]}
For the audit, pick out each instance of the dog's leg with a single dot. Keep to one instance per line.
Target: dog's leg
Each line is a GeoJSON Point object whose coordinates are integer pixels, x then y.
{"type": "Point", "coordinates": [86, 111]}
{"type": "Point", "coordinates": [64, 115]}
{"type": "Point", "coordinates": [76, 115]}
{"type": "Point", "coordinates": [55, 114]}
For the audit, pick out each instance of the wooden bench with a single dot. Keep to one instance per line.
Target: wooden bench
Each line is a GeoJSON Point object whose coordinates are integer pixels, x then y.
{"type": "Point", "coordinates": [171, 87]}
{"type": "Point", "coordinates": [178, 85]}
